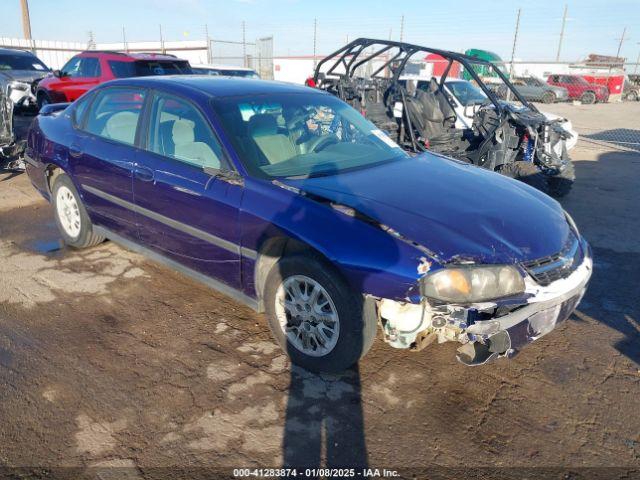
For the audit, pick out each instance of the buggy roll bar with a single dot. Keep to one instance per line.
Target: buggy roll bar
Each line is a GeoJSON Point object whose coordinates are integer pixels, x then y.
{"type": "Point", "coordinates": [349, 54]}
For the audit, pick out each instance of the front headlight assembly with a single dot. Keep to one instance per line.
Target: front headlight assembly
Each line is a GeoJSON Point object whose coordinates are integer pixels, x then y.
{"type": "Point", "coordinates": [473, 283]}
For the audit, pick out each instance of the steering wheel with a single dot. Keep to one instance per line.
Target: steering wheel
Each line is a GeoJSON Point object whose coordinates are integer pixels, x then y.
{"type": "Point", "coordinates": [319, 143]}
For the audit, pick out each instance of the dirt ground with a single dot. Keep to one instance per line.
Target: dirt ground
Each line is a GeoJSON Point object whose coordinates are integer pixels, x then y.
{"type": "Point", "coordinates": [108, 360]}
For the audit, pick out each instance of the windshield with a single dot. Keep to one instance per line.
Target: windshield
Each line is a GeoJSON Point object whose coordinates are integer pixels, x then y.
{"type": "Point", "coordinates": [21, 62]}
{"type": "Point", "coordinates": [302, 135]}
{"type": "Point", "coordinates": [466, 92]}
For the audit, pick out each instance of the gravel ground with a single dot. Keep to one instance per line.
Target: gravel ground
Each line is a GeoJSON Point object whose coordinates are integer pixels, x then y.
{"type": "Point", "coordinates": [114, 367]}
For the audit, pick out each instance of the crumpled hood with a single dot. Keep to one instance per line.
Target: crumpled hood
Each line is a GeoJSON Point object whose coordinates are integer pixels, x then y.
{"type": "Point", "coordinates": [456, 210]}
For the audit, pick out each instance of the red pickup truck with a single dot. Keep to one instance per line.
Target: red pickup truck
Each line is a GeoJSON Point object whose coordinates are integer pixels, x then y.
{"type": "Point", "coordinates": [580, 89]}
{"type": "Point", "coordinates": [88, 69]}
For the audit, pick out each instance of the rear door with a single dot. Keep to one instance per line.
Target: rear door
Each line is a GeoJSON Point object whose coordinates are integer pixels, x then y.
{"type": "Point", "coordinates": [103, 156]}
{"type": "Point", "coordinates": [185, 211]}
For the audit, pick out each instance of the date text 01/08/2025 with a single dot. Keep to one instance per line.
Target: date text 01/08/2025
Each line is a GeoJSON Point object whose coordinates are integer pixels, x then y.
{"type": "Point", "coordinates": [314, 473]}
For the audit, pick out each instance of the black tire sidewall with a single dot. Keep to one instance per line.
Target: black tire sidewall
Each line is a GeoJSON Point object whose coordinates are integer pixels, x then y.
{"type": "Point", "coordinates": [42, 95]}
{"type": "Point", "coordinates": [85, 223]}
{"type": "Point", "coordinates": [588, 98]}
{"type": "Point", "coordinates": [357, 328]}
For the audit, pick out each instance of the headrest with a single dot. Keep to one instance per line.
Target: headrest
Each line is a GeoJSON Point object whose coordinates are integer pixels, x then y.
{"type": "Point", "coordinates": [183, 132]}
{"type": "Point", "coordinates": [262, 125]}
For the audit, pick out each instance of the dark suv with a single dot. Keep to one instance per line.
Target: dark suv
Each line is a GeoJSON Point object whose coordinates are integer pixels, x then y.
{"type": "Point", "coordinates": [90, 68]}
{"type": "Point", "coordinates": [18, 69]}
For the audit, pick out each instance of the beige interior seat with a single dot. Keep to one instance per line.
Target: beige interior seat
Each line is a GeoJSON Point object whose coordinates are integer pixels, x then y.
{"type": "Point", "coordinates": [187, 149]}
{"type": "Point", "coordinates": [121, 127]}
{"type": "Point", "coordinates": [276, 147]}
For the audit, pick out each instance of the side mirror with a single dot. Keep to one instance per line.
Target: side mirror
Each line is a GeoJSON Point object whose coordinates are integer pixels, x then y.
{"type": "Point", "coordinates": [58, 73]}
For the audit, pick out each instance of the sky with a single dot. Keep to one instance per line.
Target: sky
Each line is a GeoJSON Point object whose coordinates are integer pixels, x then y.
{"type": "Point", "coordinates": [593, 26]}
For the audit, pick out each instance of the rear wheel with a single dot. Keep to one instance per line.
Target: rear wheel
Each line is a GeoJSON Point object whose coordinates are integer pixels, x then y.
{"type": "Point", "coordinates": [560, 185]}
{"type": "Point", "coordinates": [548, 97]}
{"type": "Point", "coordinates": [632, 96]}
{"type": "Point", "coordinates": [315, 316]}
{"type": "Point", "coordinates": [71, 217]}
{"type": "Point", "coordinates": [588, 98]}
{"type": "Point", "coordinates": [526, 172]}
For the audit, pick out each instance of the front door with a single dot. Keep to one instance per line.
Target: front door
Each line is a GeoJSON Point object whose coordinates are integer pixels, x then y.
{"type": "Point", "coordinates": [185, 211]}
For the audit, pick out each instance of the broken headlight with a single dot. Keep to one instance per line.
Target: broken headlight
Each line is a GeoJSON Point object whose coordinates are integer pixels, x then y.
{"type": "Point", "coordinates": [473, 283]}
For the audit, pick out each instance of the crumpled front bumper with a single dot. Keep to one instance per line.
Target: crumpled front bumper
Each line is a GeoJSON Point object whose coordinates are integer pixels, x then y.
{"type": "Point", "coordinates": [545, 309]}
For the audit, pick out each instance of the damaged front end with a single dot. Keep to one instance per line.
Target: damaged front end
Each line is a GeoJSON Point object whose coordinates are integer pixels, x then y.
{"type": "Point", "coordinates": [549, 292]}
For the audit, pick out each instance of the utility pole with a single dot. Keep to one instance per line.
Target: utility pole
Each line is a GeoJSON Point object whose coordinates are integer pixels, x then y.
{"type": "Point", "coordinates": [244, 44]}
{"type": "Point", "coordinates": [624, 32]}
{"type": "Point", "coordinates": [124, 40]}
{"type": "Point", "coordinates": [315, 41]}
{"type": "Point", "coordinates": [162, 41]}
{"type": "Point", "coordinates": [564, 21]}
{"type": "Point", "coordinates": [402, 28]}
{"type": "Point", "coordinates": [513, 50]}
{"type": "Point", "coordinates": [515, 41]}
{"type": "Point", "coordinates": [26, 20]}
{"type": "Point", "coordinates": [206, 34]}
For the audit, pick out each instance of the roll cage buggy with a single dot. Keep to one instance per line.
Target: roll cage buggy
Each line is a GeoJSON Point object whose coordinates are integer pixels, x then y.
{"type": "Point", "coordinates": [514, 139]}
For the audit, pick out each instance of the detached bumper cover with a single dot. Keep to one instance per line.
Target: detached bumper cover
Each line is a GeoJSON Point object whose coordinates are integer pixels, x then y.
{"type": "Point", "coordinates": [548, 307]}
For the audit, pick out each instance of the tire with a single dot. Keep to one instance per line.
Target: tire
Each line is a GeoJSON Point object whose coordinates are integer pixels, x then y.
{"type": "Point", "coordinates": [356, 319]}
{"type": "Point", "coordinates": [632, 96]}
{"type": "Point", "coordinates": [42, 99]}
{"type": "Point", "coordinates": [71, 217]}
{"type": "Point", "coordinates": [560, 185]}
{"type": "Point", "coordinates": [548, 97]}
{"type": "Point", "coordinates": [588, 98]}
{"type": "Point", "coordinates": [526, 172]}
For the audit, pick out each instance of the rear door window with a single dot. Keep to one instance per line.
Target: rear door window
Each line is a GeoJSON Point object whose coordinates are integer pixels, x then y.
{"type": "Point", "coordinates": [115, 114]}
{"type": "Point", "coordinates": [89, 67]}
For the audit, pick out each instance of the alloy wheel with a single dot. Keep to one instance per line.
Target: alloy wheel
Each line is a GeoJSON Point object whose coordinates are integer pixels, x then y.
{"type": "Point", "coordinates": [307, 315]}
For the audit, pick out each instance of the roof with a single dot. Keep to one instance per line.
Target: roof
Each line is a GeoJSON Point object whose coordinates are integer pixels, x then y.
{"type": "Point", "coordinates": [213, 66]}
{"type": "Point", "coordinates": [217, 86]}
{"type": "Point", "coordinates": [16, 51]}
{"type": "Point", "coordinates": [131, 56]}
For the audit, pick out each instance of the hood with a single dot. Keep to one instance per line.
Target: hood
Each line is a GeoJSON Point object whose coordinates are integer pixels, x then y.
{"type": "Point", "coordinates": [456, 210]}
{"type": "Point", "coordinates": [26, 76]}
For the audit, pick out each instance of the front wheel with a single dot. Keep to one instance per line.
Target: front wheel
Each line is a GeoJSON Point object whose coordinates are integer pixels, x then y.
{"type": "Point", "coordinates": [42, 99]}
{"type": "Point", "coordinates": [315, 316]}
{"type": "Point", "coordinates": [548, 97]}
{"type": "Point", "coordinates": [71, 217]}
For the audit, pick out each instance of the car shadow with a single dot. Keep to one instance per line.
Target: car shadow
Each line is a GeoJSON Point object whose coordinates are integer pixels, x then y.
{"type": "Point", "coordinates": [324, 420]}
{"type": "Point", "coordinates": [604, 205]}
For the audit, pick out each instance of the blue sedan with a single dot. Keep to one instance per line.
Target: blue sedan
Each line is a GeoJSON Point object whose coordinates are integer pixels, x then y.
{"type": "Point", "coordinates": [290, 201]}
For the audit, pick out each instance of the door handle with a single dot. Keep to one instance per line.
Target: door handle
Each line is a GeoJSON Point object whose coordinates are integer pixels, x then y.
{"type": "Point", "coordinates": [143, 173]}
